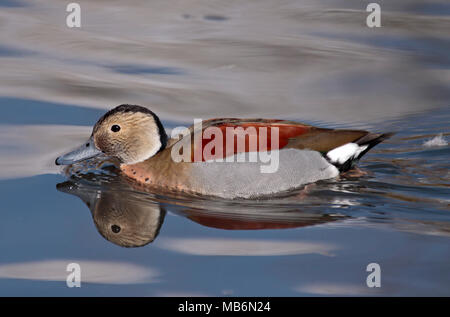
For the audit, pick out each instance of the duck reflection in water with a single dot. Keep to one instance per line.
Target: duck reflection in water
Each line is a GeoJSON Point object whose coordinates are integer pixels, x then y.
{"type": "Point", "coordinates": [129, 217]}
{"type": "Point", "coordinates": [119, 218]}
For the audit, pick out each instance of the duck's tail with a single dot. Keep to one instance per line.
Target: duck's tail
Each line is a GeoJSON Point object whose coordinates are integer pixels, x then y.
{"type": "Point", "coordinates": [345, 156]}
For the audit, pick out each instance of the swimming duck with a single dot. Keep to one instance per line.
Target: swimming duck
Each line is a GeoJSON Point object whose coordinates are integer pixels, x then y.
{"type": "Point", "coordinates": [226, 165]}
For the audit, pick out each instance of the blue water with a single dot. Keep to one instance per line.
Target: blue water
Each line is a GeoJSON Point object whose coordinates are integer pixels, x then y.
{"type": "Point", "coordinates": [196, 61]}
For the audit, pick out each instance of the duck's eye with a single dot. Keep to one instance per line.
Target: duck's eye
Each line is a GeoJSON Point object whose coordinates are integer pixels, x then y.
{"type": "Point", "coordinates": [115, 228]}
{"type": "Point", "coordinates": [115, 128]}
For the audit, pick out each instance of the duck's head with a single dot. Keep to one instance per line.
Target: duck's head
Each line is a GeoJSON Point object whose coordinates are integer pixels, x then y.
{"type": "Point", "coordinates": [129, 133]}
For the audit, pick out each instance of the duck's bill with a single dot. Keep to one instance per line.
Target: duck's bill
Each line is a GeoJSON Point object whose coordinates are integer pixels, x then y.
{"type": "Point", "coordinates": [84, 152]}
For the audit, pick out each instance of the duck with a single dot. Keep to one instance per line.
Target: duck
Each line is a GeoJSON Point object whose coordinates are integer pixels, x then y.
{"type": "Point", "coordinates": [291, 154]}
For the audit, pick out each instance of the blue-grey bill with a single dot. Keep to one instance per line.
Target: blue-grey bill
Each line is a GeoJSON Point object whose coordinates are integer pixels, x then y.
{"type": "Point", "coordinates": [84, 152]}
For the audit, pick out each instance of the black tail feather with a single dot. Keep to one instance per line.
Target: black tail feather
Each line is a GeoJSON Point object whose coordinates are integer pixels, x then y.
{"type": "Point", "coordinates": [370, 139]}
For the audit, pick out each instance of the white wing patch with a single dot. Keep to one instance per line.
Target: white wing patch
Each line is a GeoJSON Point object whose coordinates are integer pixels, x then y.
{"type": "Point", "coordinates": [345, 152]}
